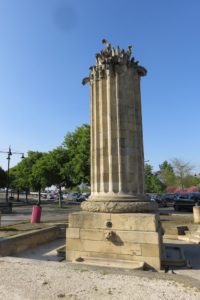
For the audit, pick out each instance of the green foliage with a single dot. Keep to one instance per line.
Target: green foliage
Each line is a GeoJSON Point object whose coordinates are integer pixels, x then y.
{"type": "Point", "coordinates": [152, 181]}
{"type": "Point", "coordinates": [21, 174]}
{"type": "Point", "coordinates": [190, 180]}
{"type": "Point", "coordinates": [166, 174]}
{"type": "Point", "coordinates": [182, 171]}
{"type": "Point", "coordinates": [67, 165]}
{"type": "Point", "coordinates": [39, 176]}
{"type": "Point", "coordinates": [3, 178]}
{"type": "Point", "coordinates": [51, 169]}
{"type": "Point", "coordinates": [77, 145]}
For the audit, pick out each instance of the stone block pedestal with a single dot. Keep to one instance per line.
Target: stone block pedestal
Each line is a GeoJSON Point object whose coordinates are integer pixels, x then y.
{"type": "Point", "coordinates": [124, 237]}
{"type": "Point", "coordinates": [196, 214]}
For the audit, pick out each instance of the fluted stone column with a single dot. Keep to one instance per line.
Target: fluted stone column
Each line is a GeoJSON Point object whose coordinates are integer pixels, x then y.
{"type": "Point", "coordinates": [117, 157]}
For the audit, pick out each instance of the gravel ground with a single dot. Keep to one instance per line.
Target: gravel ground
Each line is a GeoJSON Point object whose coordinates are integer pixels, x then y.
{"type": "Point", "coordinates": [31, 279]}
{"type": "Point", "coordinates": [37, 274]}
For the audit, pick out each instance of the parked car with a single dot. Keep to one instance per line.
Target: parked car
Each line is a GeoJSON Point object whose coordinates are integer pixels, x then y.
{"type": "Point", "coordinates": [163, 200]}
{"type": "Point", "coordinates": [65, 196]}
{"type": "Point", "coordinates": [87, 195]}
{"type": "Point", "coordinates": [186, 201]}
{"type": "Point", "coordinates": [81, 198]}
{"type": "Point", "coordinates": [168, 199]}
{"type": "Point", "coordinates": [155, 198]}
{"type": "Point", "coordinates": [72, 196]}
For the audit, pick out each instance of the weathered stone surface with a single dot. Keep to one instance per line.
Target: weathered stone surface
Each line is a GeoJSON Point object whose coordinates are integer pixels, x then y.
{"type": "Point", "coordinates": [134, 237]}
{"type": "Point", "coordinates": [135, 222]}
{"type": "Point", "coordinates": [196, 214]}
{"type": "Point", "coordinates": [117, 221]}
{"type": "Point", "coordinates": [150, 250]}
{"type": "Point", "coordinates": [104, 247]}
{"type": "Point", "coordinates": [121, 197]}
{"type": "Point", "coordinates": [28, 240]}
{"type": "Point", "coordinates": [89, 220]}
{"type": "Point", "coordinates": [117, 159]}
{"type": "Point", "coordinates": [152, 262]}
{"type": "Point", "coordinates": [100, 235]}
{"type": "Point", "coordinates": [121, 235]}
{"type": "Point", "coordinates": [119, 207]}
{"type": "Point", "coordinates": [92, 234]}
{"type": "Point", "coordinates": [110, 262]}
{"type": "Point", "coordinates": [73, 233]}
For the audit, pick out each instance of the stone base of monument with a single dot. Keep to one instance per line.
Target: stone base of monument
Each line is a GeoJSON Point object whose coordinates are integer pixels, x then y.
{"type": "Point", "coordinates": [110, 238]}
{"type": "Point", "coordinates": [110, 262]}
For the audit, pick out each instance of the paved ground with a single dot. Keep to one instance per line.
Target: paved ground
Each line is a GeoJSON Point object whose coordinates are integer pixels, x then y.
{"type": "Point", "coordinates": [50, 213]}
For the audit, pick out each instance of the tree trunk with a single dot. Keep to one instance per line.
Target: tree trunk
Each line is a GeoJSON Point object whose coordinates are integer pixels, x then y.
{"type": "Point", "coordinates": [26, 196]}
{"type": "Point", "coordinates": [39, 197]}
{"type": "Point", "coordinates": [60, 197]}
{"type": "Point", "coordinates": [17, 194]}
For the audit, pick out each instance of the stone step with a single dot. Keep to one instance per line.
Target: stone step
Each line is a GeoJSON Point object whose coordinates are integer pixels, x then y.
{"type": "Point", "coordinates": [170, 237]}
{"type": "Point", "coordinates": [193, 227]}
{"type": "Point", "coordinates": [61, 251]}
{"type": "Point", "coordinates": [194, 240]}
{"type": "Point", "coordinates": [183, 238]}
{"type": "Point", "coordinates": [193, 234]}
{"type": "Point", "coordinates": [113, 263]}
{"type": "Point", "coordinates": [189, 239]}
{"type": "Point", "coordinates": [175, 230]}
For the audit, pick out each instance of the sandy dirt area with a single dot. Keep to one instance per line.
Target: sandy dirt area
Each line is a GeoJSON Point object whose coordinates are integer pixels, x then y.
{"type": "Point", "coordinates": [37, 274]}
{"type": "Point", "coordinates": [31, 279]}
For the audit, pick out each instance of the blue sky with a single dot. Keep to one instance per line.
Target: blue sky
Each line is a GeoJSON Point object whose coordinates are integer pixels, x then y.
{"type": "Point", "coordinates": [47, 46]}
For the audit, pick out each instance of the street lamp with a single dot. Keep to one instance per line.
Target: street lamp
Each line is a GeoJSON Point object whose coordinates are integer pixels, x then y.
{"type": "Point", "coordinates": [9, 152]}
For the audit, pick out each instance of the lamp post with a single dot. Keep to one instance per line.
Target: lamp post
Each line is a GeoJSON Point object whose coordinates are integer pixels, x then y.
{"type": "Point", "coordinates": [9, 152]}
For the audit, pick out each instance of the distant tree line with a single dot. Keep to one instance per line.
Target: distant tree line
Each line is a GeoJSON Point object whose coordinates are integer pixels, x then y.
{"type": "Point", "coordinates": [69, 165]}
{"type": "Point", "coordinates": [66, 166]}
{"type": "Point", "coordinates": [174, 176]}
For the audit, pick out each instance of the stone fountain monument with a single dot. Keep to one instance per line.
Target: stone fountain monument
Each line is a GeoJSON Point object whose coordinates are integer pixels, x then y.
{"type": "Point", "coordinates": [117, 223]}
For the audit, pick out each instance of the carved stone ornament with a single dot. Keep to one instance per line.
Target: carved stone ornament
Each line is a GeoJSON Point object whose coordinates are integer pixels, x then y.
{"type": "Point", "coordinates": [108, 60]}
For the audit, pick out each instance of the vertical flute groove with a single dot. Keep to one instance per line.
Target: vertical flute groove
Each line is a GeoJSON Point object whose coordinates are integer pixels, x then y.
{"type": "Point", "coordinates": [92, 136]}
{"type": "Point", "coordinates": [118, 134]}
{"type": "Point", "coordinates": [110, 166]}
{"type": "Point", "coordinates": [101, 159]}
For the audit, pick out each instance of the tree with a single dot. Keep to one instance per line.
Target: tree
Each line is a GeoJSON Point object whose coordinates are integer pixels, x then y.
{"type": "Point", "coordinates": [37, 177]}
{"type": "Point", "coordinates": [166, 174]}
{"type": "Point", "coordinates": [182, 171]}
{"type": "Point", "coordinates": [51, 169]}
{"type": "Point", "coordinates": [3, 178]}
{"type": "Point", "coordinates": [152, 181]}
{"type": "Point", "coordinates": [16, 180]}
{"type": "Point", "coordinates": [21, 174]}
{"type": "Point", "coordinates": [77, 145]}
